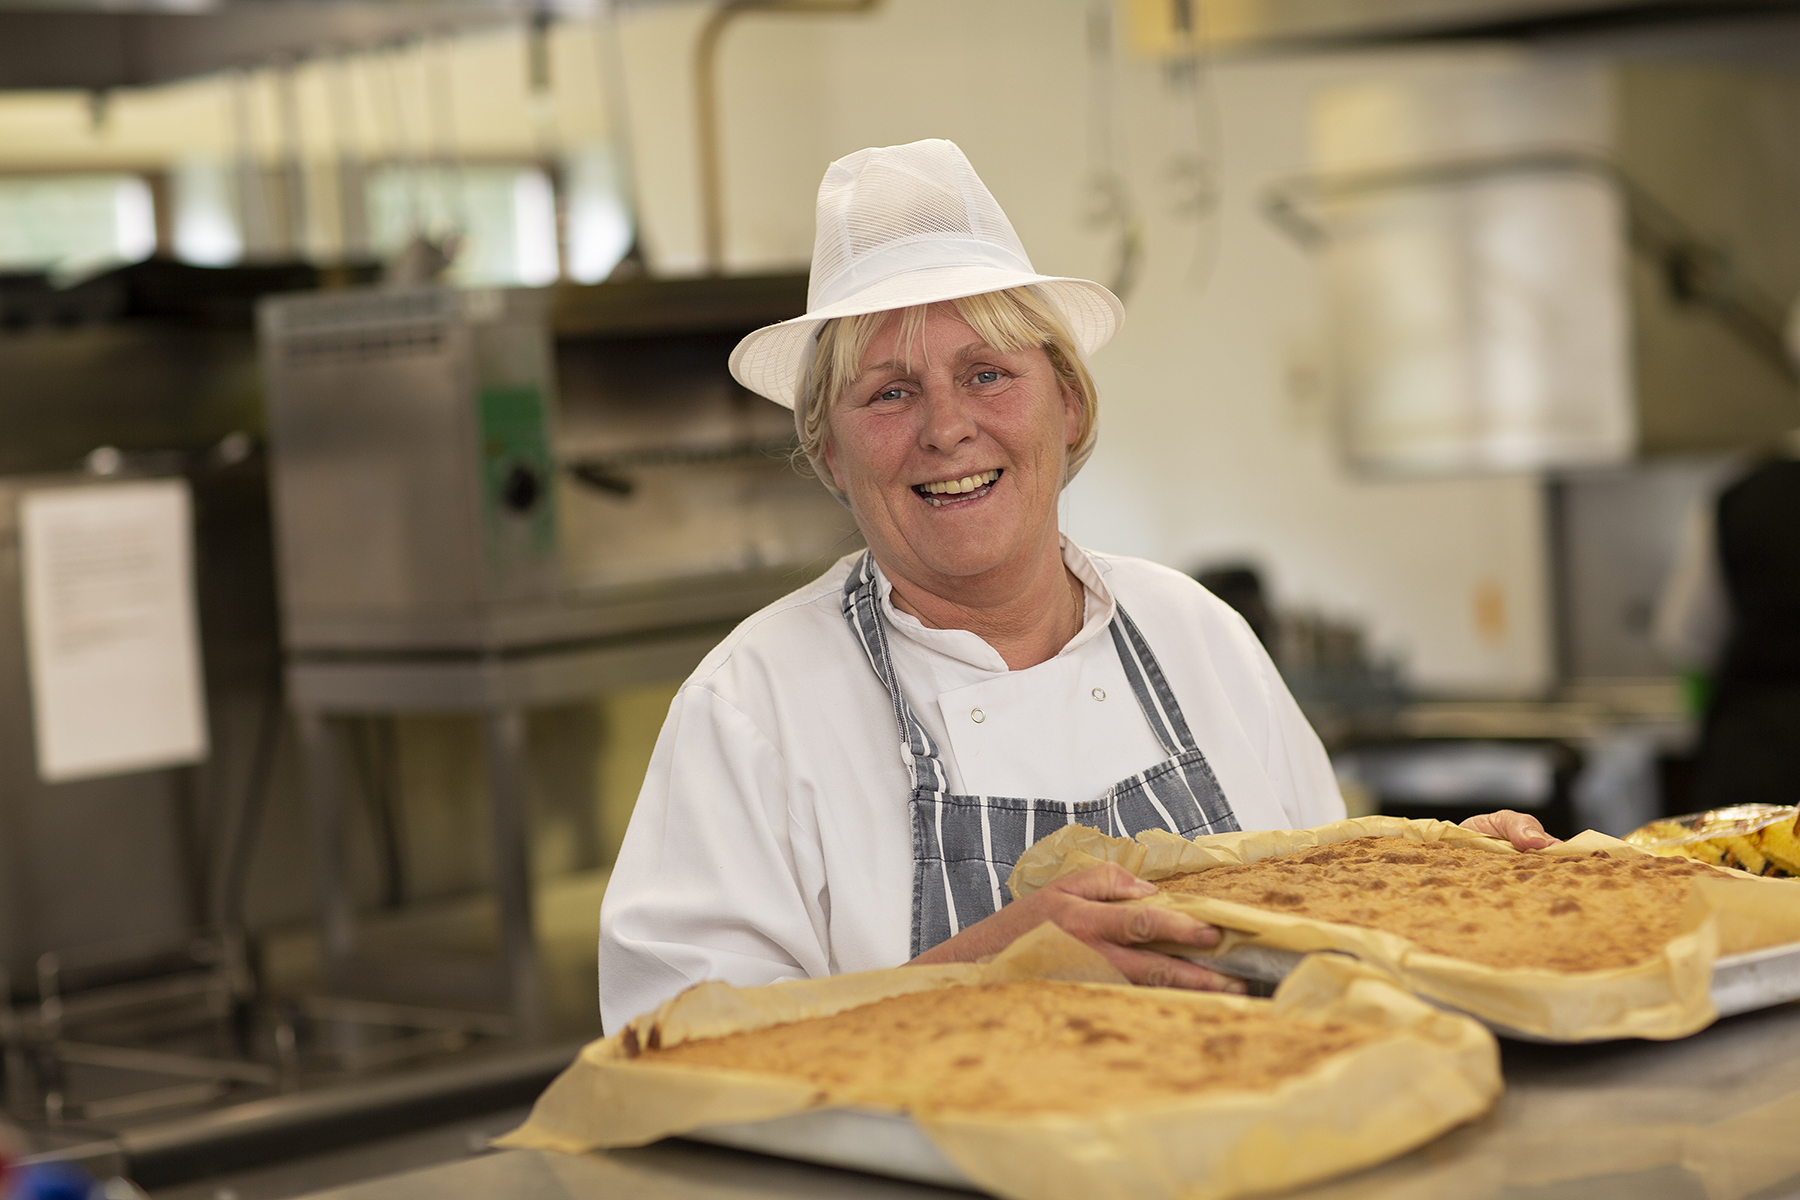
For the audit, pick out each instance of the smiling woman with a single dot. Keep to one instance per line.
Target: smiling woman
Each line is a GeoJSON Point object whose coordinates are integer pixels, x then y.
{"type": "Point", "coordinates": [940, 389]}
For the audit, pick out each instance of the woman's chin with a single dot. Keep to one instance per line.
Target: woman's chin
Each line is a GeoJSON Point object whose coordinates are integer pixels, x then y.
{"type": "Point", "coordinates": [969, 557]}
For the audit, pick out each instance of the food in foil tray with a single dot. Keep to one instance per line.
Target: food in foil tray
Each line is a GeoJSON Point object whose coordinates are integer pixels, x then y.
{"type": "Point", "coordinates": [1030, 1048]}
{"type": "Point", "coordinates": [1557, 913]}
{"type": "Point", "coordinates": [1759, 838]}
{"type": "Point", "coordinates": [1039, 1074]}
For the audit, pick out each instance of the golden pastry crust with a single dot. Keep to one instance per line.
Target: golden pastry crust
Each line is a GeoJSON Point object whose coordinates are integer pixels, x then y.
{"type": "Point", "coordinates": [1039, 1047]}
{"type": "Point", "coordinates": [1560, 913]}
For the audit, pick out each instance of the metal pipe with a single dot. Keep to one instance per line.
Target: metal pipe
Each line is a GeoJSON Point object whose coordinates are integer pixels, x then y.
{"type": "Point", "coordinates": [706, 104]}
{"type": "Point", "coordinates": [509, 822]}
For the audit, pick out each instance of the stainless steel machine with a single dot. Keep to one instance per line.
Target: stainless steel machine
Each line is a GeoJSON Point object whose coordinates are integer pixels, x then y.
{"type": "Point", "coordinates": [489, 501]}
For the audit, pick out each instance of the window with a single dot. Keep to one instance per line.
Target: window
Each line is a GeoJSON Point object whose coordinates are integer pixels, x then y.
{"type": "Point", "coordinates": [506, 216]}
{"type": "Point", "coordinates": [206, 219]}
{"type": "Point", "coordinates": [74, 223]}
{"type": "Point", "coordinates": [599, 215]}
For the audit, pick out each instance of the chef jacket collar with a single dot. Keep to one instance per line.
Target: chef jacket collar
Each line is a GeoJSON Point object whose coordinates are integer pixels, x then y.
{"type": "Point", "coordinates": [968, 647]}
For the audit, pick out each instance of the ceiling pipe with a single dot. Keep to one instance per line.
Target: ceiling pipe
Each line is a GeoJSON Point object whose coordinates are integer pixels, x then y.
{"type": "Point", "coordinates": [706, 104]}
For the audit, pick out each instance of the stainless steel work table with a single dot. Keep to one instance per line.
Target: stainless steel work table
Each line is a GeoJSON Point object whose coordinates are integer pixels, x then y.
{"type": "Point", "coordinates": [1715, 1116]}
{"type": "Point", "coordinates": [500, 689]}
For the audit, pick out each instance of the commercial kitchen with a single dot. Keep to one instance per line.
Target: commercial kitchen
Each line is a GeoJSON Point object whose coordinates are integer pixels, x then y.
{"type": "Point", "coordinates": [386, 442]}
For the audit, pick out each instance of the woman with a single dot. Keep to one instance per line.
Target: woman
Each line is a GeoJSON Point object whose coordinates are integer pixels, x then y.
{"type": "Point", "coordinates": [940, 391]}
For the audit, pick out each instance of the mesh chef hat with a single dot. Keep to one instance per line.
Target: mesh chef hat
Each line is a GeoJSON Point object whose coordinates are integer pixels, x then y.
{"type": "Point", "coordinates": [899, 226]}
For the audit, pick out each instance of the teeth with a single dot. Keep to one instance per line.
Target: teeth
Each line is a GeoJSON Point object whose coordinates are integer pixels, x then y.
{"type": "Point", "coordinates": [967, 483]}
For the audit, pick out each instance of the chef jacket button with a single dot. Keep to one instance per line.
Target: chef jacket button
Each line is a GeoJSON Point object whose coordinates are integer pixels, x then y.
{"type": "Point", "coordinates": [977, 716]}
{"type": "Point", "coordinates": [1099, 693]}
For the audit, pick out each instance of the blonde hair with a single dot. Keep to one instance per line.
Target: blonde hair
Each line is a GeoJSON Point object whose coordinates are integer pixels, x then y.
{"type": "Point", "coordinates": [1009, 321]}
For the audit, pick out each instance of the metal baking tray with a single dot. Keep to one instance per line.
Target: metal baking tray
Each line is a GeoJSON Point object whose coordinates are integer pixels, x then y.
{"type": "Point", "coordinates": [890, 1144]}
{"type": "Point", "coordinates": [857, 1139]}
{"type": "Point", "coordinates": [1741, 982]}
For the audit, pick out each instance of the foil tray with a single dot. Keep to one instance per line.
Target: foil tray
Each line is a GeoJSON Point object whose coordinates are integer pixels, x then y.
{"type": "Point", "coordinates": [1741, 982]}
{"type": "Point", "coordinates": [853, 1138]}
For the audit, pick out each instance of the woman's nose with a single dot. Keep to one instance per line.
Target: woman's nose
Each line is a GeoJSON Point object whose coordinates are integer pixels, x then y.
{"type": "Point", "coordinates": [948, 421]}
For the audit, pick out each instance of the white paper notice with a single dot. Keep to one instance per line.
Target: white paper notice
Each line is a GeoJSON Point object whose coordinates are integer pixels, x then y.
{"type": "Point", "coordinates": [110, 626]}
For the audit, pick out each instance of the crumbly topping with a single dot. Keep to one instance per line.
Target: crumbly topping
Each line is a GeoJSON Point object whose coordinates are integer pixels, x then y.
{"type": "Point", "coordinates": [1558, 912]}
{"type": "Point", "coordinates": [1030, 1048]}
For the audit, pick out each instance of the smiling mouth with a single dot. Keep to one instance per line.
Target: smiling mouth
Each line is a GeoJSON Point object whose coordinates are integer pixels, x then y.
{"type": "Point", "coordinates": [955, 491]}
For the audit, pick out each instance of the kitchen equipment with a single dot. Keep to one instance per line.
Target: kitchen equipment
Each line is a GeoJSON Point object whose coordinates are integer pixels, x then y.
{"type": "Point", "coordinates": [1536, 264]}
{"type": "Point", "coordinates": [492, 501]}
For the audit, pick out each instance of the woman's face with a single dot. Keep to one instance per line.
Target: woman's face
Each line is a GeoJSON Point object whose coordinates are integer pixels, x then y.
{"type": "Point", "coordinates": [953, 454]}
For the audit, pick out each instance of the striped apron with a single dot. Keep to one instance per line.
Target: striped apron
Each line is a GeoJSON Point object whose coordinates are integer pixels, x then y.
{"type": "Point", "coordinates": [964, 847]}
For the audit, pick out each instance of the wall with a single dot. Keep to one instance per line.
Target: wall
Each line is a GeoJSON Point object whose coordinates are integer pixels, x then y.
{"type": "Point", "coordinates": [1217, 425]}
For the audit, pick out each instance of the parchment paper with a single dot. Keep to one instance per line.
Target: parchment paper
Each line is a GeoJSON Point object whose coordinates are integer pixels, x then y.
{"type": "Point", "coordinates": [1669, 996]}
{"type": "Point", "coordinates": [1435, 1070]}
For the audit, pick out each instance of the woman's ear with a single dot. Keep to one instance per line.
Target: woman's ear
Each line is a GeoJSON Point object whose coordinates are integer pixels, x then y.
{"type": "Point", "coordinates": [1071, 415]}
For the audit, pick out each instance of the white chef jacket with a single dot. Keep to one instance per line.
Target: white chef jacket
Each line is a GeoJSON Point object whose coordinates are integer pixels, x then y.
{"type": "Point", "coordinates": [772, 839]}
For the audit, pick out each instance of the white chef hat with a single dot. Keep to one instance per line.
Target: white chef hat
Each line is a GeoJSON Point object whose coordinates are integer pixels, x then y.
{"type": "Point", "coordinates": [900, 226]}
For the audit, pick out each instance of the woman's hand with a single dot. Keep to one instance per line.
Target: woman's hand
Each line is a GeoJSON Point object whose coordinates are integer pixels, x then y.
{"type": "Point", "coordinates": [1521, 829]}
{"type": "Point", "coordinates": [1077, 905]}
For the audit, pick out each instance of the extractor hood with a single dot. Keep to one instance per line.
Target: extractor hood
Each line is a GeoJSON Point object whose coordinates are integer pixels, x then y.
{"type": "Point", "coordinates": [1277, 24]}
{"type": "Point", "coordinates": [100, 44]}
{"type": "Point", "coordinates": [96, 47]}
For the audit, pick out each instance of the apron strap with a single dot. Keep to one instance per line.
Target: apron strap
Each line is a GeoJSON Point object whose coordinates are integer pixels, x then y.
{"type": "Point", "coordinates": [862, 609]}
{"type": "Point", "coordinates": [1153, 693]}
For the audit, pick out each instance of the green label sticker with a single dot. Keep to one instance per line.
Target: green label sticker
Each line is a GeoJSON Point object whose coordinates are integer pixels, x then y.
{"type": "Point", "coordinates": [518, 473]}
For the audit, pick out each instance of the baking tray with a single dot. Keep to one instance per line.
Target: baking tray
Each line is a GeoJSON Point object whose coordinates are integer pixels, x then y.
{"type": "Point", "coordinates": [890, 1144]}
{"type": "Point", "coordinates": [856, 1139]}
{"type": "Point", "coordinates": [1741, 982]}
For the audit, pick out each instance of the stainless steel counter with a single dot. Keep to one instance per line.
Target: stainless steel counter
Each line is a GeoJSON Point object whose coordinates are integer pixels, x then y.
{"type": "Point", "coordinates": [1712, 1116]}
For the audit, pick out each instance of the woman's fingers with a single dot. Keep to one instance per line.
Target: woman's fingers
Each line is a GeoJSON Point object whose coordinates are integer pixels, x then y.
{"type": "Point", "coordinates": [1083, 904]}
{"type": "Point", "coordinates": [1091, 915]}
{"type": "Point", "coordinates": [1097, 922]}
{"type": "Point", "coordinates": [1523, 830]}
{"type": "Point", "coordinates": [1151, 969]}
{"type": "Point", "coordinates": [1130, 924]}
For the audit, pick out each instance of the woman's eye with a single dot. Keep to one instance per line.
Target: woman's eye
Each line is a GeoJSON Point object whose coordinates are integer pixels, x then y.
{"type": "Point", "coordinates": [986, 376]}
{"type": "Point", "coordinates": [890, 394]}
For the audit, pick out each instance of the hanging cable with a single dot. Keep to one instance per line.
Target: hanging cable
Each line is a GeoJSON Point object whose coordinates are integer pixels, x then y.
{"type": "Point", "coordinates": [253, 206]}
{"type": "Point", "coordinates": [611, 61]}
{"type": "Point", "coordinates": [440, 82]}
{"type": "Point", "coordinates": [400, 140]}
{"type": "Point", "coordinates": [1109, 203]}
{"type": "Point", "coordinates": [293, 160]}
{"type": "Point", "coordinates": [352, 195]}
{"type": "Point", "coordinates": [1192, 169]}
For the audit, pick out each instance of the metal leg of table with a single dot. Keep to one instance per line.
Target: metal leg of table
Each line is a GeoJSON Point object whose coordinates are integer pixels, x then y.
{"type": "Point", "coordinates": [505, 742]}
{"type": "Point", "coordinates": [324, 802]}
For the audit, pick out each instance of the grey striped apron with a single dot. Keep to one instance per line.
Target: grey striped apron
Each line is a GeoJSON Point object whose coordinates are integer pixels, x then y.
{"type": "Point", "coordinates": [964, 847]}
